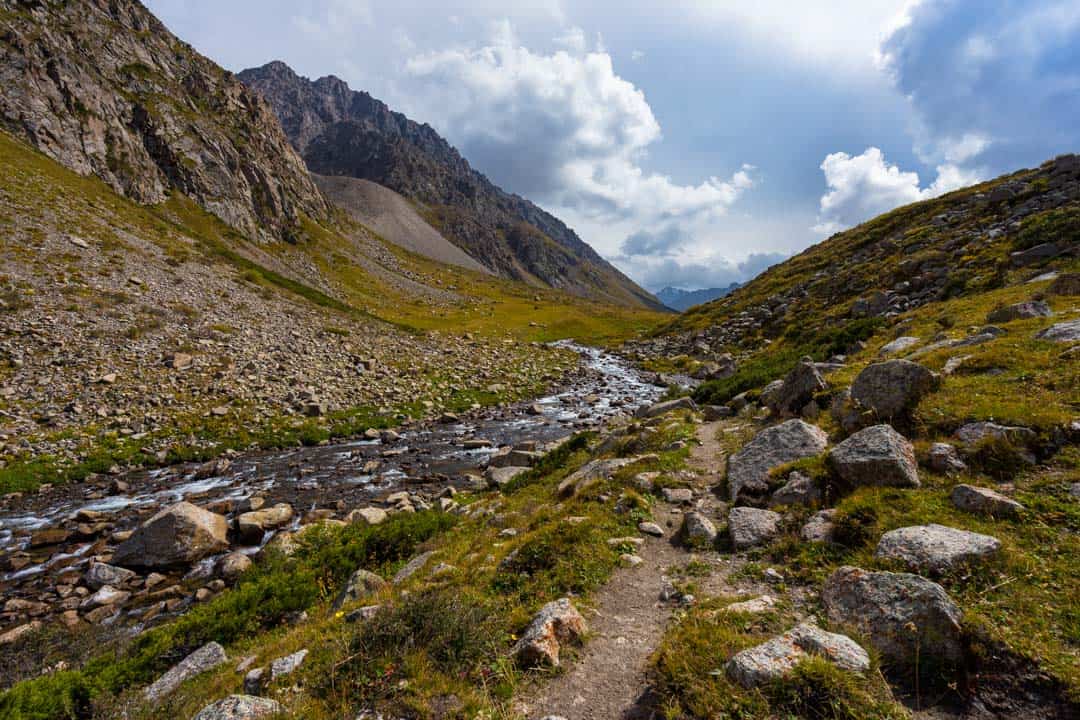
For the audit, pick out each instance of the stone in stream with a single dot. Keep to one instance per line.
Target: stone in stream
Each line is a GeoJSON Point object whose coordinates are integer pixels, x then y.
{"type": "Point", "coordinates": [208, 657]}
{"type": "Point", "coordinates": [179, 534]}
{"type": "Point", "coordinates": [876, 456]}
{"type": "Point", "coordinates": [100, 574]}
{"type": "Point", "coordinates": [776, 658]}
{"type": "Point", "coordinates": [750, 527]}
{"type": "Point", "coordinates": [253, 525]}
{"type": "Point", "coordinates": [240, 707]}
{"type": "Point", "coordinates": [556, 624]}
{"type": "Point", "coordinates": [367, 516]}
{"type": "Point", "coordinates": [984, 501]}
{"type": "Point", "coordinates": [232, 566]}
{"type": "Point", "coordinates": [905, 617]}
{"type": "Point", "coordinates": [935, 548]}
{"type": "Point", "coordinates": [748, 469]}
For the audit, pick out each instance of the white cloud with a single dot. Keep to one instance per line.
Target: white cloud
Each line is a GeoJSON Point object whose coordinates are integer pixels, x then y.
{"type": "Point", "coordinates": [637, 55]}
{"type": "Point", "coordinates": [866, 185]}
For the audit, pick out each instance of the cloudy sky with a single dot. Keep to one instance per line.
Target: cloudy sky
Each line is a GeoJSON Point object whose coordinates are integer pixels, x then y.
{"type": "Point", "coordinates": [694, 142]}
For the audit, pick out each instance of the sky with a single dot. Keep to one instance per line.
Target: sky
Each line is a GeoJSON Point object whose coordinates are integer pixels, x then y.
{"type": "Point", "coordinates": [694, 143]}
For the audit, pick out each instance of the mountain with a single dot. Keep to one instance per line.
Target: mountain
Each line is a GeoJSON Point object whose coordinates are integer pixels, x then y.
{"type": "Point", "coordinates": [104, 88]}
{"type": "Point", "coordinates": [679, 299]}
{"type": "Point", "coordinates": [341, 132]}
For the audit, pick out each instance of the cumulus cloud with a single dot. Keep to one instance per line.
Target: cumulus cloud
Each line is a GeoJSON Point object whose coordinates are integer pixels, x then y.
{"type": "Point", "coordinates": [656, 273]}
{"type": "Point", "coordinates": [862, 186]}
{"type": "Point", "coordinates": [998, 80]}
{"type": "Point", "coordinates": [563, 128]}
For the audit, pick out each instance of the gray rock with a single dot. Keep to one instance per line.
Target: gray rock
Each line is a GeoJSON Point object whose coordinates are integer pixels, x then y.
{"type": "Point", "coordinates": [974, 433]}
{"type": "Point", "coordinates": [697, 530]}
{"type": "Point", "coordinates": [797, 389]}
{"type": "Point", "coordinates": [984, 501]}
{"type": "Point", "coordinates": [412, 567]}
{"type": "Point", "coordinates": [943, 458]}
{"type": "Point", "coordinates": [590, 474]}
{"type": "Point", "coordinates": [255, 681]}
{"type": "Point", "coordinates": [799, 490]}
{"type": "Point", "coordinates": [288, 664]}
{"type": "Point", "coordinates": [890, 389]}
{"type": "Point", "coordinates": [877, 456]}
{"type": "Point", "coordinates": [1067, 284]}
{"type": "Point", "coordinates": [820, 527]}
{"type": "Point", "coordinates": [1019, 311]}
{"type": "Point", "coordinates": [557, 623]}
{"type": "Point", "coordinates": [651, 528]}
{"type": "Point", "coordinates": [748, 469]}
{"type": "Point", "coordinates": [770, 393]}
{"type": "Point", "coordinates": [208, 657]}
{"type": "Point", "coordinates": [240, 707]}
{"type": "Point", "coordinates": [498, 477]}
{"type": "Point", "coordinates": [682, 403]}
{"type": "Point", "coordinates": [775, 659]}
{"type": "Point", "coordinates": [232, 566]}
{"type": "Point", "coordinates": [899, 345]}
{"type": "Point", "coordinates": [1062, 332]}
{"type": "Point", "coordinates": [367, 516]}
{"type": "Point", "coordinates": [362, 585]}
{"type": "Point", "coordinates": [935, 548]}
{"type": "Point", "coordinates": [681, 496]}
{"type": "Point", "coordinates": [754, 606]}
{"type": "Point", "coordinates": [514, 458]}
{"type": "Point", "coordinates": [106, 595]}
{"type": "Point", "coordinates": [253, 525]}
{"type": "Point", "coordinates": [179, 534]}
{"type": "Point", "coordinates": [750, 527]}
{"type": "Point", "coordinates": [100, 574]}
{"type": "Point", "coordinates": [905, 617]}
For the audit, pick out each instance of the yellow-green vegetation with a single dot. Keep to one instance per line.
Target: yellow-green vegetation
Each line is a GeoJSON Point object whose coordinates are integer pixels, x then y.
{"type": "Point", "coordinates": [439, 643]}
{"type": "Point", "coordinates": [689, 673]}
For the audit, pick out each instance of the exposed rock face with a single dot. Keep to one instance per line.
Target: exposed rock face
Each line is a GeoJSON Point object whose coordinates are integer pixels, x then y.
{"type": "Point", "coordinates": [346, 133]}
{"type": "Point", "coordinates": [904, 616]}
{"type": "Point", "coordinates": [892, 388]}
{"type": "Point", "coordinates": [240, 707]}
{"type": "Point", "coordinates": [104, 88]}
{"type": "Point", "coordinates": [984, 501]}
{"type": "Point", "coordinates": [774, 659]}
{"type": "Point", "coordinates": [557, 622]}
{"type": "Point", "coordinates": [179, 534]}
{"type": "Point", "coordinates": [798, 388]}
{"type": "Point", "coordinates": [1019, 311]}
{"type": "Point", "coordinates": [748, 469]}
{"type": "Point", "coordinates": [207, 657]}
{"type": "Point", "coordinates": [877, 455]}
{"type": "Point", "coordinates": [750, 527]}
{"type": "Point", "coordinates": [935, 548]}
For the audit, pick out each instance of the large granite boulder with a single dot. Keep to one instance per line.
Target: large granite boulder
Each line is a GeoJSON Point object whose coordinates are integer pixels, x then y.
{"type": "Point", "coordinates": [178, 535]}
{"type": "Point", "coordinates": [876, 455]}
{"type": "Point", "coordinates": [935, 548]}
{"type": "Point", "coordinates": [776, 658]}
{"type": "Point", "coordinates": [557, 623]}
{"type": "Point", "coordinates": [890, 389]}
{"type": "Point", "coordinates": [797, 389]}
{"type": "Point", "coordinates": [748, 469]}
{"type": "Point", "coordinates": [905, 617]}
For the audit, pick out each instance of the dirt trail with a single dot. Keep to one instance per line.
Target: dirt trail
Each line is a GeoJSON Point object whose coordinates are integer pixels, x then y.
{"type": "Point", "coordinates": [607, 680]}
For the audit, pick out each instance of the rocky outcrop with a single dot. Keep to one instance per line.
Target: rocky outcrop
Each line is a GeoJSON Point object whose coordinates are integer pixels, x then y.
{"type": "Point", "coordinates": [877, 456]}
{"type": "Point", "coordinates": [748, 469]}
{"type": "Point", "coordinates": [104, 88]}
{"type": "Point", "coordinates": [179, 534]}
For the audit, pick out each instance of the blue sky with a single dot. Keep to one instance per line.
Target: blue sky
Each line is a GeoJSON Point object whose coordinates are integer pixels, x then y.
{"type": "Point", "coordinates": [694, 142]}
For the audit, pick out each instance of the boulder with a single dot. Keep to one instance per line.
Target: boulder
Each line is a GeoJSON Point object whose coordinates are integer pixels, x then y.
{"type": "Point", "coordinates": [1062, 332]}
{"type": "Point", "coordinates": [776, 658]}
{"type": "Point", "coordinates": [208, 657]}
{"type": "Point", "coordinates": [240, 707]}
{"type": "Point", "coordinates": [905, 617]}
{"type": "Point", "coordinates": [697, 530]}
{"type": "Point", "coordinates": [497, 477]}
{"type": "Point", "coordinates": [649, 411]}
{"type": "Point", "coordinates": [179, 534]}
{"type": "Point", "coordinates": [750, 527]}
{"type": "Point", "coordinates": [877, 455]}
{"type": "Point", "coordinates": [678, 496]}
{"type": "Point", "coordinates": [1067, 284]}
{"type": "Point", "coordinates": [1019, 311]}
{"type": "Point", "coordinates": [975, 433]}
{"type": "Point", "coordinates": [984, 501]}
{"type": "Point", "coordinates": [367, 516]}
{"type": "Point", "coordinates": [361, 586]}
{"type": "Point", "coordinates": [100, 574]}
{"type": "Point", "coordinates": [754, 606]}
{"type": "Point", "coordinates": [650, 528]}
{"type": "Point", "coordinates": [288, 664]}
{"type": "Point", "coordinates": [232, 566]}
{"type": "Point", "coordinates": [410, 568]}
{"type": "Point", "coordinates": [799, 490]}
{"type": "Point", "coordinates": [797, 389]}
{"type": "Point", "coordinates": [820, 527]}
{"type": "Point", "coordinates": [514, 458]}
{"type": "Point", "coordinates": [944, 459]}
{"type": "Point", "coordinates": [253, 525]}
{"type": "Point", "coordinates": [590, 474]}
{"type": "Point", "coordinates": [770, 394]}
{"type": "Point", "coordinates": [748, 469]}
{"type": "Point", "coordinates": [890, 389]}
{"type": "Point", "coordinates": [899, 345]}
{"type": "Point", "coordinates": [557, 623]}
{"type": "Point", "coordinates": [935, 548]}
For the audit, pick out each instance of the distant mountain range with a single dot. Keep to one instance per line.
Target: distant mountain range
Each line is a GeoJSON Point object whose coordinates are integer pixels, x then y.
{"type": "Point", "coordinates": [679, 299]}
{"type": "Point", "coordinates": [345, 133]}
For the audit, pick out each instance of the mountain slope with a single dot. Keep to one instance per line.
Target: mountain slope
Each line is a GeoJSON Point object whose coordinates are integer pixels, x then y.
{"type": "Point", "coordinates": [342, 132]}
{"type": "Point", "coordinates": [679, 299]}
{"type": "Point", "coordinates": [104, 88]}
